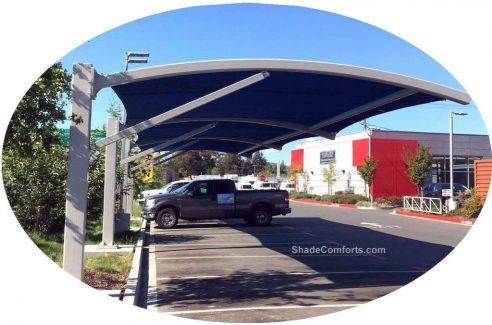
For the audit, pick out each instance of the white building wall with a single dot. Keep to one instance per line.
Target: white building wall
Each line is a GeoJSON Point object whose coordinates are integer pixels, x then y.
{"type": "Point", "coordinates": [346, 175]}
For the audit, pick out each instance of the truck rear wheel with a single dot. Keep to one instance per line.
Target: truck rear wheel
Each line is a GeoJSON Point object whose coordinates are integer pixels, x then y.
{"type": "Point", "coordinates": [167, 218]}
{"type": "Point", "coordinates": [261, 217]}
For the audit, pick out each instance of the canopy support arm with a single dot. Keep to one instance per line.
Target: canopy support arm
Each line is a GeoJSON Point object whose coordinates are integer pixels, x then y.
{"type": "Point", "coordinates": [144, 164]}
{"type": "Point", "coordinates": [268, 122]}
{"type": "Point", "coordinates": [183, 109]}
{"type": "Point", "coordinates": [177, 154]}
{"type": "Point", "coordinates": [169, 143]}
{"type": "Point", "coordinates": [225, 138]}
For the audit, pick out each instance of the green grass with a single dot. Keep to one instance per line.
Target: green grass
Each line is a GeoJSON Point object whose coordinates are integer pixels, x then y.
{"type": "Point", "coordinates": [94, 234]}
{"type": "Point", "coordinates": [136, 209]}
{"type": "Point", "coordinates": [135, 223]}
{"type": "Point", "coordinates": [109, 263]}
{"type": "Point", "coordinates": [52, 246]}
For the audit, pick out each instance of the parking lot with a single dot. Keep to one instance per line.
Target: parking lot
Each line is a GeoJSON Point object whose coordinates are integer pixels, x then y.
{"type": "Point", "coordinates": [229, 271]}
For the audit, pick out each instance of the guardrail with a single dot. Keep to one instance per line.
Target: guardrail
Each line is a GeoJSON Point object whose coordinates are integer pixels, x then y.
{"type": "Point", "coordinates": [423, 204]}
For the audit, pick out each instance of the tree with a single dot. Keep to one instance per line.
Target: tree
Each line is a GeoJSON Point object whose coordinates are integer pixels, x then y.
{"type": "Point", "coordinates": [193, 163]}
{"type": "Point", "coordinates": [246, 166]}
{"type": "Point", "coordinates": [228, 163]}
{"type": "Point", "coordinates": [329, 175]}
{"type": "Point", "coordinates": [366, 172]}
{"type": "Point", "coordinates": [34, 162]}
{"type": "Point", "coordinates": [42, 107]}
{"type": "Point", "coordinates": [418, 164]}
{"type": "Point", "coordinates": [259, 162]}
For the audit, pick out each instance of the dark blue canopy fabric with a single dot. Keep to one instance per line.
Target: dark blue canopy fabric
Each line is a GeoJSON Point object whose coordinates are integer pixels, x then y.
{"type": "Point", "coordinates": [288, 97]}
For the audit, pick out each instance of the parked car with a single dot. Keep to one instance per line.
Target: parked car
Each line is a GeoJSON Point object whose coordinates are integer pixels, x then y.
{"type": "Point", "coordinates": [215, 199]}
{"type": "Point", "coordinates": [264, 186]}
{"type": "Point", "coordinates": [435, 189]}
{"type": "Point", "coordinates": [287, 186]}
{"type": "Point", "coordinates": [244, 186]}
{"type": "Point", "coordinates": [168, 188]}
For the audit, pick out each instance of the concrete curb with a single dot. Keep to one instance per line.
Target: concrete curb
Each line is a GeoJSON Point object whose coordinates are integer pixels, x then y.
{"type": "Point", "coordinates": [456, 220]}
{"type": "Point", "coordinates": [132, 289]}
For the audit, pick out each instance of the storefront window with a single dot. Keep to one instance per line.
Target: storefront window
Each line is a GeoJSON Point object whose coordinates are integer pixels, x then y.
{"type": "Point", "coordinates": [463, 170]}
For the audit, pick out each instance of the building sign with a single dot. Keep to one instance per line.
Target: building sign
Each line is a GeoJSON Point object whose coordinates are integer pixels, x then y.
{"type": "Point", "coordinates": [446, 192]}
{"type": "Point", "coordinates": [326, 156]}
{"type": "Point", "coordinates": [95, 135]}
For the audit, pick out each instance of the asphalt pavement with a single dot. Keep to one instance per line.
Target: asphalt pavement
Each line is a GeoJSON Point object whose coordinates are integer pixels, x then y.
{"type": "Point", "coordinates": [315, 261]}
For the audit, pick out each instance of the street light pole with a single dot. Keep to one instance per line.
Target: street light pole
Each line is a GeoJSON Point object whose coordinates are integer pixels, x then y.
{"type": "Point", "coordinates": [452, 203]}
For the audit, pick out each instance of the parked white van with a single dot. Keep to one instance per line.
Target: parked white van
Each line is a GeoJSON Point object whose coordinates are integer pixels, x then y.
{"type": "Point", "coordinates": [287, 186]}
{"type": "Point", "coordinates": [244, 186]}
{"type": "Point", "coordinates": [264, 186]}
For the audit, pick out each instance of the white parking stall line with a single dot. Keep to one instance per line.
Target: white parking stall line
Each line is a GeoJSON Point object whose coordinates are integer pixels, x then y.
{"type": "Point", "coordinates": [289, 274]}
{"type": "Point", "coordinates": [258, 256]}
{"type": "Point", "coordinates": [257, 308]}
{"type": "Point", "coordinates": [241, 244]}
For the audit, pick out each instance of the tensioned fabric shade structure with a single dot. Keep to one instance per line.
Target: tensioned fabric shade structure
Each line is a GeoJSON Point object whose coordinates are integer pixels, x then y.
{"type": "Point", "coordinates": [237, 106]}
{"type": "Point", "coordinates": [298, 99]}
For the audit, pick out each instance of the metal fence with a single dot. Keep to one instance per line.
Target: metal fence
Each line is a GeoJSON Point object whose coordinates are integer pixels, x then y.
{"type": "Point", "coordinates": [423, 204]}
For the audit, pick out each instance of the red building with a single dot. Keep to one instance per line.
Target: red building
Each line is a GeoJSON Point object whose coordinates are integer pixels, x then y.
{"type": "Point", "coordinates": [387, 148]}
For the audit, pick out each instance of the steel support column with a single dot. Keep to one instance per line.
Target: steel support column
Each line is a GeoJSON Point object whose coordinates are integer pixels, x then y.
{"type": "Point", "coordinates": [109, 185]}
{"type": "Point", "coordinates": [125, 149]}
{"type": "Point", "coordinates": [78, 169]}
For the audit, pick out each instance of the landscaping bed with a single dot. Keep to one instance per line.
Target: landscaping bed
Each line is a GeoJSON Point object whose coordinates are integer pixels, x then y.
{"type": "Point", "coordinates": [107, 271]}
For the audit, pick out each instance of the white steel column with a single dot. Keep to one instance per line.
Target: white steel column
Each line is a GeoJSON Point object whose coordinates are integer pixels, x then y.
{"type": "Point", "coordinates": [129, 200]}
{"type": "Point", "coordinates": [125, 149]}
{"type": "Point", "coordinates": [78, 170]}
{"type": "Point", "coordinates": [109, 185]}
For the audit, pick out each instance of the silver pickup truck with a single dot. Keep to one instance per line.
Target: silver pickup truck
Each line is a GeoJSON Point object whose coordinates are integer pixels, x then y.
{"type": "Point", "coordinates": [215, 199]}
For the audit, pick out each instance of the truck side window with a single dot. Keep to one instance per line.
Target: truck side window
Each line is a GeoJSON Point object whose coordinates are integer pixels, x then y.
{"type": "Point", "coordinates": [201, 189]}
{"type": "Point", "coordinates": [223, 188]}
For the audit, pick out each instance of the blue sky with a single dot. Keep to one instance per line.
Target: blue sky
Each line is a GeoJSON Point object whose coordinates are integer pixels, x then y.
{"type": "Point", "coordinates": [268, 31]}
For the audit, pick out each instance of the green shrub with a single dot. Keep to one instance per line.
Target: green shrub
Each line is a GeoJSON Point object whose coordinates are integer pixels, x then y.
{"type": "Point", "coordinates": [390, 201]}
{"type": "Point", "coordinates": [326, 197]}
{"type": "Point", "coordinates": [302, 195]}
{"type": "Point", "coordinates": [351, 198]}
{"type": "Point", "coordinates": [472, 206]}
{"type": "Point", "coordinates": [455, 213]}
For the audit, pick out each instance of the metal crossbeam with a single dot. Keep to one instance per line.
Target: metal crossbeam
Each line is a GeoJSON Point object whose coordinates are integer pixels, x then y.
{"type": "Point", "coordinates": [177, 154]}
{"type": "Point", "coordinates": [169, 143]}
{"type": "Point", "coordinates": [224, 138]}
{"type": "Point", "coordinates": [258, 121]}
{"type": "Point", "coordinates": [183, 109]}
{"type": "Point", "coordinates": [146, 163]}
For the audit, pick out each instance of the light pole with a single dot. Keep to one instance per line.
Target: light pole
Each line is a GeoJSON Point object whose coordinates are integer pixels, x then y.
{"type": "Point", "coordinates": [130, 55]}
{"type": "Point", "coordinates": [126, 199]}
{"type": "Point", "coordinates": [452, 203]}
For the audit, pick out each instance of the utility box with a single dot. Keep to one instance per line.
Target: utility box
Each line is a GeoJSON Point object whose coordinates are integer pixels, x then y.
{"type": "Point", "coordinates": [121, 222]}
{"type": "Point", "coordinates": [483, 174]}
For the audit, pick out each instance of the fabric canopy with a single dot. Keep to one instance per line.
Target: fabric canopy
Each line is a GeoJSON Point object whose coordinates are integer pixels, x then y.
{"type": "Point", "coordinates": [299, 99]}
